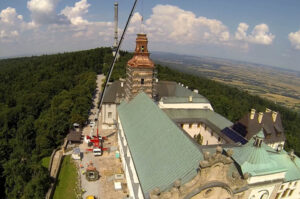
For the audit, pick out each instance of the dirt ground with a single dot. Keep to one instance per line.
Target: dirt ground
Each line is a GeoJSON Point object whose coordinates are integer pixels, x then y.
{"type": "Point", "coordinates": [108, 165]}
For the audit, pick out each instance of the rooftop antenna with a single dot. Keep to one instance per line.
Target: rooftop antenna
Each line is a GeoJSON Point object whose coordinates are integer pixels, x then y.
{"type": "Point", "coordinates": [116, 31]}
{"type": "Point", "coordinates": [115, 56]}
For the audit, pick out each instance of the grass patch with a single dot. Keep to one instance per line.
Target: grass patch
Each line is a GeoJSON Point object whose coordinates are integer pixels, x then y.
{"type": "Point", "coordinates": [67, 180]}
{"type": "Point", "coordinates": [45, 162]}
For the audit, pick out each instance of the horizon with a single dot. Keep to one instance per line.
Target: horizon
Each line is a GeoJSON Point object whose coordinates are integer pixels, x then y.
{"type": "Point", "coordinates": [265, 33]}
{"type": "Point", "coordinates": [198, 56]}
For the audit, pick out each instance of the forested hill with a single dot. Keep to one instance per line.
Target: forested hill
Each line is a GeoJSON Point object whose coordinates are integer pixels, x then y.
{"type": "Point", "coordinates": [40, 98]}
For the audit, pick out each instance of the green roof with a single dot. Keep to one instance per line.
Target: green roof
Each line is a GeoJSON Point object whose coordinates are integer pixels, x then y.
{"type": "Point", "coordinates": [292, 166]}
{"type": "Point", "coordinates": [256, 160]}
{"type": "Point", "coordinates": [161, 152]}
{"type": "Point", "coordinates": [206, 115]}
{"type": "Point", "coordinates": [181, 95]}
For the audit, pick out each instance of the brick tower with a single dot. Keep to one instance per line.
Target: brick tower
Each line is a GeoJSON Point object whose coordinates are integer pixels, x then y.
{"type": "Point", "coordinates": [140, 70]}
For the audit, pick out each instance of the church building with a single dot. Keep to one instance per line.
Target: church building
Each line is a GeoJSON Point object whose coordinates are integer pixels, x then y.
{"type": "Point", "coordinates": [156, 122]}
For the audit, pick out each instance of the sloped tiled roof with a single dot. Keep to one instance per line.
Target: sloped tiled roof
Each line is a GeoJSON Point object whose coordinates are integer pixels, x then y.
{"type": "Point", "coordinates": [172, 92]}
{"type": "Point", "coordinates": [161, 152]}
{"type": "Point", "coordinates": [273, 131]}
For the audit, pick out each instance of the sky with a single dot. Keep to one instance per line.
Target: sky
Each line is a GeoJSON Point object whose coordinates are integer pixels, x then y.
{"type": "Point", "coordinates": [259, 31]}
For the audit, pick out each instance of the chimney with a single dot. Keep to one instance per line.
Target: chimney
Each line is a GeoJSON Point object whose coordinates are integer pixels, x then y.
{"type": "Point", "coordinates": [122, 84]}
{"type": "Point", "coordinates": [252, 114]}
{"type": "Point", "coordinates": [190, 98]}
{"type": "Point", "coordinates": [268, 110]}
{"type": "Point", "coordinates": [274, 116]}
{"type": "Point", "coordinates": [260, 117]}
{"type": "Point", "coordinates": [196, 91]}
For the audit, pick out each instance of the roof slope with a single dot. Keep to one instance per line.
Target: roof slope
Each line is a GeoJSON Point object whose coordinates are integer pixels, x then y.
{"type": "Point", "coordinates": [273, 131]}
{"type": "Point", "coordinates": [256, 160]}
{"type": "Point", "coordinates": [112, 91]}
{"type": "Point", "coordinates": [161, 152]}
{"type": "Point", "coordinates": [174, 93]}
{"type": "Point", "coordinates": [292, 165]}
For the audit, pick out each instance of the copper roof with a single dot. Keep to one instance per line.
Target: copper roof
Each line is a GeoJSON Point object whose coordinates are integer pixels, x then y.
{"type": "Point", "coordinates": [141, 57]}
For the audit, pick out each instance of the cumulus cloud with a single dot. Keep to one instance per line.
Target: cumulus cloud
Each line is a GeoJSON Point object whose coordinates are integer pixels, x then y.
{"type": "Point", "coordinates": [74, 14]}
{"type": "Point", "coordinates": [43, 12]}
{"type": "Point", "coordinates": [173, 24]}
{"type": "Point", "coordinates": [259, 35]}
{"type": "Point", "coordinates": [294, 38]}
{"type": "Point", "coordinates": [10, 24]}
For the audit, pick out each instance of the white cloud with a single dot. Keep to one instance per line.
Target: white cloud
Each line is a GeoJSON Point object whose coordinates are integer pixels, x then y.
{"type": "Point", "coordinates": [43, 12]}
{"type": "Point", "coordinates": [294, 38]}
{"type": "Point", "coordinates": [173, 24]}
{"type": "Point", "coordinates": [10, 24]}
{"type": "Point", "coordinates": [74, 14]}
{"type": "Point", "coordinates": [259, 35]}
{"type": "Point", "coordinates": [9, 16]}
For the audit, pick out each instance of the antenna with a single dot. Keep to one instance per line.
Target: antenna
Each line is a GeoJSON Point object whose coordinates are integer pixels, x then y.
{"type": "Point", "coordinates": [116, 29]}
{"type": "Point", "coordinates": [115, 57]}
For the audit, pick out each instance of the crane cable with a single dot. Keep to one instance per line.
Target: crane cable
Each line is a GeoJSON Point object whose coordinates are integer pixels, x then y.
{"type": "Point", "coordinates": [115, 56]}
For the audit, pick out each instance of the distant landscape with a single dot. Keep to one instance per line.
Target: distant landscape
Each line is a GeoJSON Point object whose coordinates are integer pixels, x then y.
{"type": "Point", "coordinates": [281, 86]}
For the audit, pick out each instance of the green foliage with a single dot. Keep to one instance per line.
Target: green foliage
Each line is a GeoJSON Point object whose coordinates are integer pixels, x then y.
{"type": "Point", "coordinates": [40, 98]}
{"type": "Point", "coordinates": [199, 139]}
{"type": "Point", "coordinates": [234, 103]}
{"type": "Point", "coordinates": [67, 180]}
{"type": "Point", "coordinates": [45, 162]}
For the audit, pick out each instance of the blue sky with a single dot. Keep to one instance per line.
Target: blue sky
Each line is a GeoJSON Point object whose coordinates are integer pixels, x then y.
{"type": "Point", "coordinates": [266, 32]}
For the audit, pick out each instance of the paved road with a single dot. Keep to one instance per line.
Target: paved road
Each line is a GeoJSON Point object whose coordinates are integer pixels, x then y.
{"type": "Point", "coordinates": [91, 188]}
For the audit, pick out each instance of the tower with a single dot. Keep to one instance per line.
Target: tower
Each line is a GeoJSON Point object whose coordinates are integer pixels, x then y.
{"type": "Point", "coordinates": [140, 70]}
{"type": "Point", "coordinates": [115, 30]}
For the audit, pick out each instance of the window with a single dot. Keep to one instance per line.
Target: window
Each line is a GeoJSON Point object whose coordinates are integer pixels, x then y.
{"type": "Point", "coordinates": [109, 114]}
{"type": "Point", "coordinates": [219, 139]}
{"type": "Point", "coordinates": [190, 126]}
{"type": "Point", "coordinates": [142, 81]}
{"type": "Point", "coordinates": [198, 125]}
{"type": "Point", "coordinates": [142, 49]}
{"type": "Point", "coordinates": [281, 187]}
{"type": "Point", "coordinates": [291, 192]}
{"type": "Point", "coordinates": [285, 193]}
{"type": "Point", "coordinates": [277, 196]}
{"type": "Point", "coordinates": [181, 125]}
{"type": "Point", "coordinates": [109, 105]}
{"type": "Point", "coordinates": [295, 183]}
{"type": "Point", "coordinates": [211, 133]}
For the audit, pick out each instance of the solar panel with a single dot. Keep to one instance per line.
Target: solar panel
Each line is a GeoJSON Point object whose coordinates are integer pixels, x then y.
{"type": "Point", "coordinates": [233, 135]}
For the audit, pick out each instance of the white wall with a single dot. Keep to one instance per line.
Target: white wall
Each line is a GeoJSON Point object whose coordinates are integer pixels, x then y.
{"type": "Point", "coordinates": [128, 167]}
{"type": "Point", "coordinates": [163, 105]}
{"type": "Point", "coordinates": [209, 137]}
{"type": "Point", "coordinates": [264, 178]}
{"type": "Point", "coordinates": [109, 116]}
